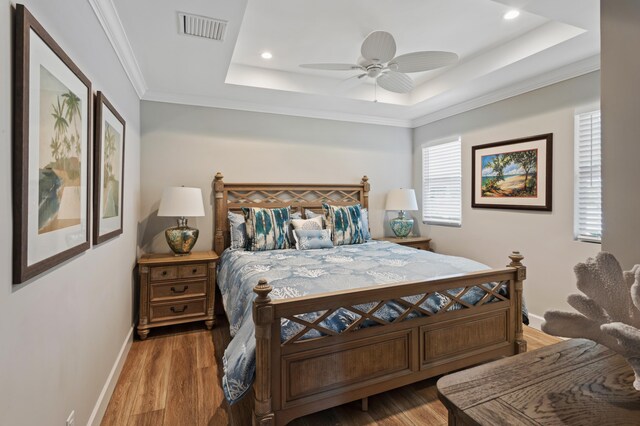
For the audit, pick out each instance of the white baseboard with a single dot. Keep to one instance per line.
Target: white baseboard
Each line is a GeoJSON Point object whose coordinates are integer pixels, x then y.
{"type": "Point", "coordinates": [105, 395]}
{"type": "Point", "coordinates": [535, 321]}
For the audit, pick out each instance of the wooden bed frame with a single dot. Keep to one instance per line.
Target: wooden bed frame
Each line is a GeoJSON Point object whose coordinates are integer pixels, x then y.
{"type": "Point", "coordinates": [301, 376]}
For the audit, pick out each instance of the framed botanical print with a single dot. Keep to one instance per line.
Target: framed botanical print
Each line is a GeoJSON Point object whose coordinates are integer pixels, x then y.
{"type": "Point", "coordinates": [51, 152]}
{"type": "Point", "coordinates": [513, 174]}
{"type": "Point", "coordinates": [108, 169]}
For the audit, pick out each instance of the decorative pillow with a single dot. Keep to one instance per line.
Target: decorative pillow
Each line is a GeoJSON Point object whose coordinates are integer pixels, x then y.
{"type": "Point", "coordinates": [238, 230]}
{"type": "Point", "coordinates": [365, 220]}
{"type": "Point", "coordinates": [365, 224]}
{"type": "Point", "coordinates": [307, 239]}
{"type": "Point", "coordinates": [310, 214]}
{"type": "Point", "coordinates": [345, 224]}
{"type": "Point", "coordinates": [308, 224]}
{"type": "Point", "coordinates": [267, 229]}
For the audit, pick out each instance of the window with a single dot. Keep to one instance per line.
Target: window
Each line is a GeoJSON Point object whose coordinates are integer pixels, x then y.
{"type": "Point", "coordinates": [588, 178]}
{"type": "Point", "coordinates": [442, 183]}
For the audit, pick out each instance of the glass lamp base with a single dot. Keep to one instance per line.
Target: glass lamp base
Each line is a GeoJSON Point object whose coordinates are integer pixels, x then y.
{"type": "Point", "coordinates": [401, 226]}
{"type": "Point", "coordinates": [181, 239]}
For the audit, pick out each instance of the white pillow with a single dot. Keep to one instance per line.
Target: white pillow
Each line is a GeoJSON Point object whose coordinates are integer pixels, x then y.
{"type": "Point", "coordinates": [308, 224]}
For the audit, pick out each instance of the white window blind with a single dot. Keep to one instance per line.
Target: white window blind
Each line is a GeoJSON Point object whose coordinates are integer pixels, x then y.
{"type": "Point", "coordinates": [588, 177]}
{"type": "Point", "coordinates": [442, 183]}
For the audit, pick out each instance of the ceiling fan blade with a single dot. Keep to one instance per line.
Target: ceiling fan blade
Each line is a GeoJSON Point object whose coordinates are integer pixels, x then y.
{"type": "Point", "coordinates": [423, 61]}
{"type": "Point", "coordinates": [349, 83]}
{"type": "Point", "coordinates": [332, 67]}
{"type": "Point", "coordinates": [395, 82]}
{"type": "Point", "coordinates": [379, 46]}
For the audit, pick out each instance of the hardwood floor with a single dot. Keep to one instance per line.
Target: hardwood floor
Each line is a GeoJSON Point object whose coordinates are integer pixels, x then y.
{"type": "Point", "coordinates": [173, 379]}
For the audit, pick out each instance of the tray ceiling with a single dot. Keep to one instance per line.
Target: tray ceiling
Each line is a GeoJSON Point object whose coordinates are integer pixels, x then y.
{"type": "Point", "coordinates": [548, 42]}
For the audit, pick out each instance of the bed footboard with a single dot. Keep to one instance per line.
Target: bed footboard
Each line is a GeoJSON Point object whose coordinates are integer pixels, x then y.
{"type": "Point", "coordinates": [299, 375]}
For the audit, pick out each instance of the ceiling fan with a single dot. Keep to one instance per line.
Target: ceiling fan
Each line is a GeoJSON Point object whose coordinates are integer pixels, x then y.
{"type": "Point", "coordinates": [378, 61]}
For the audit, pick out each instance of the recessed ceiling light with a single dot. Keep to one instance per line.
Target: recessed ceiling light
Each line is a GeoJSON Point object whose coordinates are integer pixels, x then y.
{"type": "Point", "coordinates": [266, 55]}
{"type": "Point", "coordinates": [512, 14]}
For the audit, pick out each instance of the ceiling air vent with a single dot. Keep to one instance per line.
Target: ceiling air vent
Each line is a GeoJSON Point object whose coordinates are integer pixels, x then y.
{"type": "Point", "coordinates": [202, 26]}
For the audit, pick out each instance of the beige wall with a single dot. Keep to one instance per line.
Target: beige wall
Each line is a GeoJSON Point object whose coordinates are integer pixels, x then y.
{"type": "Point", "coordinates": [545, 238]}
{"type": "Point", "coordinates": [621, 129]}
{"type": "Point", "coordinates": [185, 145]}
{"type": "Point", "coordinates": [60, 333]}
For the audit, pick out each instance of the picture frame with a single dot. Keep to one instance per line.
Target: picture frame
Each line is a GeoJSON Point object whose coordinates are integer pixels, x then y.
{"type": "Point", "coordinates": [108, 171]}
{"type": "Point", "coordinates": [51, 152]}
{"type": "Point", "coordinates": [513, 174]}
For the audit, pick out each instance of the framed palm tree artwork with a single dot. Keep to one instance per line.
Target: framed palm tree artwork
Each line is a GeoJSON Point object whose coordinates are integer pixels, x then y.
{"type": "Point", "coordinates": [51, 152]}
{"type": "Point", "coordinates": [108, 169]}
{"type": "Point", "coordinates": [513, 174]}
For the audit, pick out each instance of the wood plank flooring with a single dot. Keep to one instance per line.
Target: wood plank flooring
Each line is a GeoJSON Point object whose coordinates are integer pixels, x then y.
{"type": "Point", "coordinates": [173, 379]}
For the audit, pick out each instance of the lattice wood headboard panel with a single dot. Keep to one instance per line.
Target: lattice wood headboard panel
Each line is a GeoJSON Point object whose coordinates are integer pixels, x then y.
{"type": "Point", "coordinates": [233, 196]}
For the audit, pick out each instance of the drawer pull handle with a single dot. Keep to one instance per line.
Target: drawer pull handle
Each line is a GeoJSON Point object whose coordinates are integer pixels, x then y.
{"type": "Point", "coordinates": [184, 288]}
{"type": "Point", "coordinates": [164, 273]}
{"type": "Point", "coordinates": [194, 271]}
{"type": "Point", "coordinates": [178, 311]}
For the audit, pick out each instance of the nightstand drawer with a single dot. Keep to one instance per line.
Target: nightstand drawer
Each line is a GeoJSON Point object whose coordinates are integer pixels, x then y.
{"type": "Point", "coordinates": [192, 271]}
{"type": "Point", "coordinates": [177, 290]}
{"type": "Point", "coordinates": [419, 246]}
{"type": "Point", "coordinates": [164, 273]}
{"type": "Point", "coordinates": [173, 310]}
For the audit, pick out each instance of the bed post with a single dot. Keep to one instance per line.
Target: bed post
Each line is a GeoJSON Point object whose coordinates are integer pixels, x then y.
{"type": "Point", "coordinates": [516, 262]}
{"type": "Point", "coordinates": [366, 188]}
{"type": "Point", "coordinates": [221, 216]}
{"type": "Point", "coordinates": [263, 318]}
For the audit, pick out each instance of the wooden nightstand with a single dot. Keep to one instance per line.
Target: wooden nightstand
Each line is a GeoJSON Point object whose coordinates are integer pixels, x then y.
{"type": "Point", "coordinates": [176, 289]}
{"type": "Point", "coordinates": [420, 243]}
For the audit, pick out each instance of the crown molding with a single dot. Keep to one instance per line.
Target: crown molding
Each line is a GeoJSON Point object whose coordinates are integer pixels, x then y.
{"type": "Point", "coordinates": [576, 69]}
{"type": "Point", "coordinates": [202, 101]}
{"type": "Point", "coordinates": [573, 70]}
{"type": "Point", "coordinates": [107, 14]}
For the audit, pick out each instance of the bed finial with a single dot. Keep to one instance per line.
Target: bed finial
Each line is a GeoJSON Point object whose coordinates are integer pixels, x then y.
{"type": "Point", "coordinates": [365, 183]}
{"type": "Point", "coordinates": [262, 290]}
{"type": "Point", "coordinates": [218, 177]}
{"type": "Point", "coordinates": [516, 259]}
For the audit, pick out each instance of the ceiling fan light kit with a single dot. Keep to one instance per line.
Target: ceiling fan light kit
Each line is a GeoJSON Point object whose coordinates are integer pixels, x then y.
{"type": "Point", "coordinates": [379, 62]}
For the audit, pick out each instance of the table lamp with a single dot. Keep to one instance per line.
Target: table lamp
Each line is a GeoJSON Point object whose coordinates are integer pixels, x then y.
{"type": "Point", "coordinates": [180, 202]}
{"type": "Point", "coordinates": [401, 200]}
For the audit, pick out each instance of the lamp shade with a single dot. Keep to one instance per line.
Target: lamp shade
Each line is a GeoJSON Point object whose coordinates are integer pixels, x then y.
{"type": "Point", "coordinates": [178, 201]}
{"type": "Point", "coordinates": [401, 199]}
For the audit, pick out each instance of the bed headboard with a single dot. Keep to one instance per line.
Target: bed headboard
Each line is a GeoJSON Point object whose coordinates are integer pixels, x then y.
{"type": "Point", "coordinates": [233, 196]}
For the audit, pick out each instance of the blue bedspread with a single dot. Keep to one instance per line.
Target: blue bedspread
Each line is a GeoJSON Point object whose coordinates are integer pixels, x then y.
{"type": "Point", "coordinates": [295, 273]}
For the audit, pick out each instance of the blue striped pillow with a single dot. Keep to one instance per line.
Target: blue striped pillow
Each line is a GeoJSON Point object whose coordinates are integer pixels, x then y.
{"type": "Point", "coordinates": [345, 223]}
{"type": "Point", "coordinates": [267, 229]}
{"type": "Point", "coordinates": [310, 214]}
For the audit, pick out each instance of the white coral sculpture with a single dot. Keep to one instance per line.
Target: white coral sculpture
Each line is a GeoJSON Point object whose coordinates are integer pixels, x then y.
{"type": "Point", "coordinates": [609, 309]}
